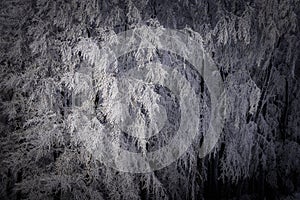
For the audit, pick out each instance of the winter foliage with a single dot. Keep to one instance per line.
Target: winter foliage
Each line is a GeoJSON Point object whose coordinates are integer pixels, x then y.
{"type": "Point", "coordinates": [56, 109]}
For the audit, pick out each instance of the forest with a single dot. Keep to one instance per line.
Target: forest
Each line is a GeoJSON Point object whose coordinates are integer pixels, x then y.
{"type": "Point", "coordinates": [150, 99]}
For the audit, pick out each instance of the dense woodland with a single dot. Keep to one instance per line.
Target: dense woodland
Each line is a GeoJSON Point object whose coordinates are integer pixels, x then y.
{"type": "Point", "coordinates": [45, 151]}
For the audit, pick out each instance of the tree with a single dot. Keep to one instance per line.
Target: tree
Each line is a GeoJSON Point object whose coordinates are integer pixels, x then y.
{"type": "Point", "coordinates": [49, 50]}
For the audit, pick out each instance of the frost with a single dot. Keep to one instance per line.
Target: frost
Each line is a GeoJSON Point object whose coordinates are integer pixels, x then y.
{"type": "Point", "coordinates": [61, 100]}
